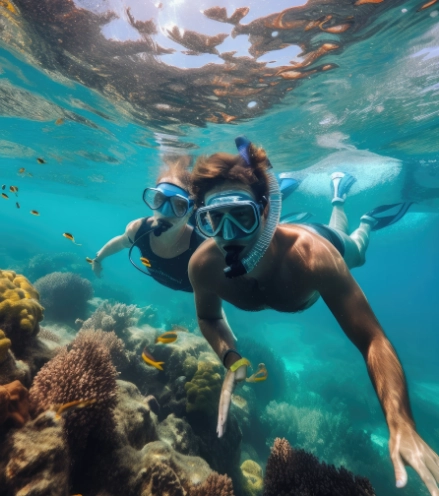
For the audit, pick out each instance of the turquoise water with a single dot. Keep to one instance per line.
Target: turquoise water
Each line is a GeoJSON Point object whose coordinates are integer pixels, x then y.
{"type": "Point", "coordinates": [374, 115]}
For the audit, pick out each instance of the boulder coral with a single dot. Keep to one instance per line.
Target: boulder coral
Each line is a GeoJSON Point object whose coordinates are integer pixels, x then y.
{"type": "Point", "coordinates": [252, 472]}
{"type": "Point", "coordinates": [203, 391]}
{"type": "Point", "coordinates": [293, 472]}
{"type": "Point", "coordinates": [5, 345]}
{"type": "Point", "coordinates": [20, 310]}
{"type": "Point", "coordinates": [82, 372]}
{"type": "Point", "coordinates": [14, 404]}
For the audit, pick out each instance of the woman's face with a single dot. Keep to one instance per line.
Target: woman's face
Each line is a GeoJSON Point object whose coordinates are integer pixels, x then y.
{"type": "Point", "coordinates": [167, 213]}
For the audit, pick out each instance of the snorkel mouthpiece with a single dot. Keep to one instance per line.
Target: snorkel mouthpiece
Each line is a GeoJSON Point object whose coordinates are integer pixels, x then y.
{"type": "Point", "coordinates": [163, 225]}
{"type": "Point", "coordinates": [238, 267]}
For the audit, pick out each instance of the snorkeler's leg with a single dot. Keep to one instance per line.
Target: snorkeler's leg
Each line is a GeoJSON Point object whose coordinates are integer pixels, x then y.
{"type": "Point", "coordinates": [356, 246]}
{"type": "Point", "coordinates": [341, 183]}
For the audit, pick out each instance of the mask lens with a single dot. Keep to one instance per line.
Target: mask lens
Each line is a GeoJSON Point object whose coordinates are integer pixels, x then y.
{"type": "Point", "coordinates": [179, 205]}
{"type": "Point", "coordinates": [244, 215]}
{"type": "Point", "coordinates": [154, 198]}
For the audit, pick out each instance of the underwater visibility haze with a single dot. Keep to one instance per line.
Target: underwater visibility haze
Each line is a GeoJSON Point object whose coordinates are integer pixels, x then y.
{"type": "Point", "coordinates": [107, 385]}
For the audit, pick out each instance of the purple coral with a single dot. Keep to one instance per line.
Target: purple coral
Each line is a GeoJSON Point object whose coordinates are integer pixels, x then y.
{"type": "Point", "coordinates": [64, 296]}
{"type": "Point", "coordinates": [82, 372]}
{"type": "Point", "coordinates": [292, 472]}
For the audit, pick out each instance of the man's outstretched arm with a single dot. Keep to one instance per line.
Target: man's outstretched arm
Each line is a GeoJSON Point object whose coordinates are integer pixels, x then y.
{"type": "Point", "coordinates": [351, 309]}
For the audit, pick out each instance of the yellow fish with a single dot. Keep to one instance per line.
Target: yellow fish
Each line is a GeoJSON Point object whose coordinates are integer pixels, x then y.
{"type": "Point", "coordinates": [13, 189]}
{"type": "Point", "coordinates": [5, 196]}
{"type": "Point", "coordinates": [167, 337]}
{"type": "Point", "coordinates": [59, 121]}
{"type": "Point", "coordinates": [21, 170]}
{"type": "Point", "coordinates": [41, 160]}
{"type": "Point", "coordinates": [73, 405]}
{"type": "Point", "coordinates": [260, 375]}
{"type": "Point", "coordinates": [72, 239]}
{"type": "Point", "coordinates": [34, 212]}
{"type": "Point", "coordinates": [150, 360]}
{"type": "Point", "coordinates": [145, 262]}
{"type": "Point", "coordinates": [89, 260]}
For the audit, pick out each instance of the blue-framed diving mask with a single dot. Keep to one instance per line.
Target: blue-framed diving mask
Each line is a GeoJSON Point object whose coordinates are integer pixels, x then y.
{"type": "Point", "coordinates": [230, 215]}
{"type": "Point", "coordinates": [170, 200]}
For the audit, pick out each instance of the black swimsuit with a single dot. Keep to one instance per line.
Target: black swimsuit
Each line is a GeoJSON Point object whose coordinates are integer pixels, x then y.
{"type": "Point", "coordinates": [171, 272]}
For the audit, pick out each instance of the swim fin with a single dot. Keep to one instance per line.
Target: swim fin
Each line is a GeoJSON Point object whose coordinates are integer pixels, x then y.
{"type": "Point", "coordinates": [341, 183]}
{"type": "Point", "coordinates": [295, 217]}
{"type": "Point", "coordinates": [287, 185]}
{"type": "Point", "coordinates": [386, 215]}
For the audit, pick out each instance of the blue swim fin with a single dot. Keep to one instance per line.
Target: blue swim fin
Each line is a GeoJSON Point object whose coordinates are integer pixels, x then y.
{"type": "Point", "coordinates": [341, 183]}
{"type": "Point", "coordinates": [287, 185]}
{"type": "Point", "coordinates": [386, 215]}
{"type": "Point", "coordinates": [295, 217]}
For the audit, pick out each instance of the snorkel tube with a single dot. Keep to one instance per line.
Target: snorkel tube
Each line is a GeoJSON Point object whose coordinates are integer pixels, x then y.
{"type": "Point", "coordinates": [238, 267]}
{"type": "Point", "coordinates": [161, 227]}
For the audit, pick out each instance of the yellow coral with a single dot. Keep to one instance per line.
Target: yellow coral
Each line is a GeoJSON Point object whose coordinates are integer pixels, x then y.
{"type": "Point", "coordinates": [254, 477]}
{"type": "Point", "coordinates": [5, 344]}
{"type": "Point", "coordinates": [20, 310]}
{"type": "Point", "coordinates": [203, 391]}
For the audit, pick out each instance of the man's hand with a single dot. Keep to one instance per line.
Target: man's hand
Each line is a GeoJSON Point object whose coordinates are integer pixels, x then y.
{"type": "Point", "coordinates": [230, 381]}
{"type": "Point", "coordinates": [407, 447]}
{"type": "Point", "coordinates": [96, 267]}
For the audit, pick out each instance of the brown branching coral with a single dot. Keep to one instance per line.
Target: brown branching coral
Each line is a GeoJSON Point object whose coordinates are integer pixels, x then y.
{"type": "Point", "coordinates": [82, 372]}
{"type": "Point", "coordinates": [214, 485]}
{"type": "Point", "coordinates": [20, 310]}
{"type": "Point", "coordinates": [14, 403]}
{"type": "Point", "coordinates": [292, 472]}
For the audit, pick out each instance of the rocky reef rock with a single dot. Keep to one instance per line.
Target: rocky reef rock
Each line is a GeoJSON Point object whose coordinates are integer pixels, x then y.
{"type": "Point", "coordinates": [179, 434]}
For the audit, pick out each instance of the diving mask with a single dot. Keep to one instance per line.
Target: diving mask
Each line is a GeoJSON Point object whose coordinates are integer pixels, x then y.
{"type": "Point", "coordinates": [230, 215]}
{"type": "Point", "coordinates": [169, 199]}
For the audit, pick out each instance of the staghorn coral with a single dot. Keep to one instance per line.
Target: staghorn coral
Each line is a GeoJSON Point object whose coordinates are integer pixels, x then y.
{"type": "Point", "coordinates": [20, 311]}
{"type": "Point", "coordinates": [252, 472]}
{"type": "Point", "coordinates": [115, 317]}
{"type": "Point", "coordinates": [5, 345]}
{"type": "Point", "coordinates": [38, 459]}
{"type": "Point", "coordinates": [203, 391]}
{"type": "Point", "coordinates": [14, 403]}
{"type": "Point", "coordinates": [214, 485]}
{"type": "Point", "coordinates": [82, 372]}
{"type": "Point", "coordinates": [64, 296]}
{"type": "Point", "coordinates": [298, 473]}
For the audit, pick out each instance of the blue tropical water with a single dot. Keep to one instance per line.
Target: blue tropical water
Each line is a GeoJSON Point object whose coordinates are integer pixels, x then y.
{"type": "Point", "coordinates": [374, 114]}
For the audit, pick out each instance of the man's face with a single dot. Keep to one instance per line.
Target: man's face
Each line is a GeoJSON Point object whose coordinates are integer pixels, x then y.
{"type": "Point", "coordinates": [230, 237]}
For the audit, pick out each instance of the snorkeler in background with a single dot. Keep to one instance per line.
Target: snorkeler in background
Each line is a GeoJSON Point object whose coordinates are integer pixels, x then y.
{"type": "Point", "coordinates": [254, 263]}
{"type": "Point", "coordinates": [166, 240]}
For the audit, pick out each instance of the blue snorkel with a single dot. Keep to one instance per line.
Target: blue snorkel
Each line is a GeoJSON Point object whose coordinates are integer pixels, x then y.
{"type": "Point", "coordinates": [237, 267]}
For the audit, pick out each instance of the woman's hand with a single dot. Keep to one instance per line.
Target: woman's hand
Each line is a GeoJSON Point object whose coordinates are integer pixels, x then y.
{"type": "Point", "coordinates": [96, 267]}
{"type": "Point", "coordinates": [230, 381]}
{"type": "Point", "coordinates": [407, 447]}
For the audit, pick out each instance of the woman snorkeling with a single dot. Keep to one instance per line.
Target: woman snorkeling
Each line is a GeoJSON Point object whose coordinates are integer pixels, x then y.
{"type": "Point", "coordinates": [166, 240]}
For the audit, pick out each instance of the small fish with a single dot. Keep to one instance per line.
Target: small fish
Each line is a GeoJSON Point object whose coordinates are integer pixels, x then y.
{"type": "Point", "coordinates": [260, 375]}
{"type": "Point", "coordinates": [167, 337]}
{"type": "Point", "coordinates": [5, 196]}
{"type": "Point", "coordinates": [72, 239]}
{"type": "Point", "coordinates": [145, 262]}
{"type": "Point", "coordinates": [89, 260]}
{"type": "Point", "coordinates": [17, 204]}
{"type": "Point", "coordinates": [13, 189]}
{"type": "Point", "coordinates": [150, 360]}
{"type": "Point", "coordinates": [59, 121]}
{"type": "Point", "coordinates": [21, 170]}
{"type": "Point", "coordinates": [73, 405]}
{"type": "Point", "coordinates": [41, 160]}
{"type": "Point", "coordinates": [35, 212]}
{"type": "Point", "coordinates": [3, 186]}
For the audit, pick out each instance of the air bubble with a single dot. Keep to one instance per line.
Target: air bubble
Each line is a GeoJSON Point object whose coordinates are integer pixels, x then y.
{"type": "Point", "coordinates": [252, 104]}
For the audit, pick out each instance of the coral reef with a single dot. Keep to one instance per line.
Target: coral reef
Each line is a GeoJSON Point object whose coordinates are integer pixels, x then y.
{"type": "Point", "coordinates": [116, 317]}
{"type": "Point", "coordinates": [37, 459]}
{"type": "Point", "coordinates": [203, 391]}
{"type": "Point", "coordinates": [45, 263]}
{"type": "Point", "coordinates": [82, 372]}
{"type": "Point", "coordinates": [252, 472]}
{"type": "Point", "coordinates": [214, 485]}
{"type": "Point", "coordinates": [14, 404]}
{"type": "Point", "coordinates": [64, 296]}
{"type": "Point", "coordinates": [298, 473]}
{"type": "Point", "coordinates": [5, 345]}
{"type": "Point", "coordinates": [20, 311]}
{"type": "Point", "coordinates": [178, 434]}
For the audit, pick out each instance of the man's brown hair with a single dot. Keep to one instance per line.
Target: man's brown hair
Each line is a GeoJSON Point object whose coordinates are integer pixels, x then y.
{"type": "Point", "coordinates": [218, 168]}
{"type": "Point", "coordinates": [176, 166]}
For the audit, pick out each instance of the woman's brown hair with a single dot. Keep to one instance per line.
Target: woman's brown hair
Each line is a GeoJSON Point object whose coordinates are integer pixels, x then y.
{"type": "Point", "coordinates": [177, 166]}
{"type": "Point", "coordinates": [218, 168]}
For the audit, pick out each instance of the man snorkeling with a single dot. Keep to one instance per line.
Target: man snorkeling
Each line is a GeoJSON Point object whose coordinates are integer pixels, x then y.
{"type": "Point", "coordinates": [166, 240]}
{"type": "Point", "coordinates": [255, 264]}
